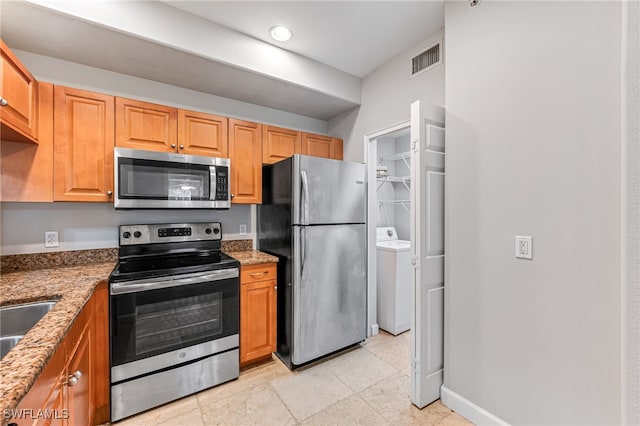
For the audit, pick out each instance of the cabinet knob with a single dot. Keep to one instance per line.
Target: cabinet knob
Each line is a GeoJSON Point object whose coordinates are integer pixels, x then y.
{"type": "Point", "coordinates": [3, 102]}
{"type": "Point", "coordinates": [181, 146]}
{"type": "Point", "coordinates": [109, 193]}
{"type": "Point", "coordinates": [275, 287]}
{"type": "Point", "coordinates": [173, 145]}
{"type": "Point", "coordinates": [233, 196]}
{"type": "Point", "coordinates": [74, 378]}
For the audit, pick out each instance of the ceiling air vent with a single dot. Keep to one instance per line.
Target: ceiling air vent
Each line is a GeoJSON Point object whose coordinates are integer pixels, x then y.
{"type": "Point", "coordinates": [426, 60]}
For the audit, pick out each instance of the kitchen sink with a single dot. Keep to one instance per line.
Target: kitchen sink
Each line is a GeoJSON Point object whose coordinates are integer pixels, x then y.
{"type": "Point", "coordinates": [17, 320]}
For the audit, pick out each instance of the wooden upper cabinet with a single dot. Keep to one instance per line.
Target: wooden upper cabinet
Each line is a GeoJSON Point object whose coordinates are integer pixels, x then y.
{"type": "Point", "coordinates": [143, 125]}
{"type": "Point", "coordinates": [245, 152]}
{"type": "Point", "coordinates": [321, 146]}
{"type": "Point", "coordinates": [279, 143]}
{"type": "Point", "coordinates": [19, 99]}
{"type": "Point", "coordinates": [83, 145]}
{"type": "Point", "coordinates": [27, 169]}
{"type": "Point", "coordinates": [202, 134]}
{"type": "Point", "coordinates": [337, 148]}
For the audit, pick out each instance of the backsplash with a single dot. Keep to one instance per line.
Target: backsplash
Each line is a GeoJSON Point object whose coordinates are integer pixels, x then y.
{"type": "Point", "coordinates": [30, 262]}
{"type": "Point", "coordinates": [57, 259]}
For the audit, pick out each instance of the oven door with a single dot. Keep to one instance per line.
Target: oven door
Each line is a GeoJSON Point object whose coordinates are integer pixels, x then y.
{"type": "Point", "coordinates": [162, 322]}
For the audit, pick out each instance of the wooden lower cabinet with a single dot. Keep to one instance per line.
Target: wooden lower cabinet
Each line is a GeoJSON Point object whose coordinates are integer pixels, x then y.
{"type": "Point", "coordinates": [71, 391]}
{"type": "Point", "coordinates": [258, 287]}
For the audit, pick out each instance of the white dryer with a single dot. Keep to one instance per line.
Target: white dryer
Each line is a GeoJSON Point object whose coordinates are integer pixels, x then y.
{"type": "Point", "coordinates": [393, 281]}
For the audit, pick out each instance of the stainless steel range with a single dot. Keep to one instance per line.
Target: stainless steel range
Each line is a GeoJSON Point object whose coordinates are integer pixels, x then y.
{"type": "Point", "coordinates": [174, 315]}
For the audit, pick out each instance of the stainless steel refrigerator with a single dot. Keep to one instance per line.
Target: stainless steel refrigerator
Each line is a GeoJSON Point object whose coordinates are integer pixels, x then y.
{"type": "Point", "coordinates": [312, 217]}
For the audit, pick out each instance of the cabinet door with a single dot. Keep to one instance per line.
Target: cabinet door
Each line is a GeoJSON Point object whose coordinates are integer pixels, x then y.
{"type": "Point", "coordinates": [83, 145]}
{"type": "Point", "coordinates": [336, 148]}
{"type": "Point", "coordinates": [257, 320]}
{"type": "Point", "coordinates": [202, 134]}
{"type": "Point", "coordinates": [80, 392]}
{"type": "Point", "coordinates": [316, 145]}
{"type": "Point", "coordinates": [19, 116]}
{"type": "Point", "coordinates": [47, 393]}
{"type": "Point", "coordinates": [278, 144]}
{"type": "Point", "coordinates": [245, 152]}
{"type": "Point", "coordinates": [100, 359]}
{"type": "Point", "coordinates": [143, 125]}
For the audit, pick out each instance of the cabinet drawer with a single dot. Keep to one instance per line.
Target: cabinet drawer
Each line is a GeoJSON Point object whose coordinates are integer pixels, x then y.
{"type": "Point", "coordinates": [254, 273]}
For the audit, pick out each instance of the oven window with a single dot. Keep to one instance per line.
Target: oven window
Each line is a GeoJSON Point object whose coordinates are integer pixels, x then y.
{"type": "Point", "coordinates": [167, 324]}
{"type": "Point", "coordinates": [148, 323]}
{"type": "Point", "coordinates": [160, 180]}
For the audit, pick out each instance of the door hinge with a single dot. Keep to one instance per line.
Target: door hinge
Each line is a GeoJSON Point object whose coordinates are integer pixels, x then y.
{"type": "Point", "coordinates": [414, 145]}
{"type": "Point", "coordinates": [415, 364]}
{"type": "Point", "coordinates": [415, 261]}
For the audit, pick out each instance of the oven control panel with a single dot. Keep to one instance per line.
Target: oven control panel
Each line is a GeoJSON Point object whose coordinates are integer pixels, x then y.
{"type": "Point", "coordinates": [171, 232]}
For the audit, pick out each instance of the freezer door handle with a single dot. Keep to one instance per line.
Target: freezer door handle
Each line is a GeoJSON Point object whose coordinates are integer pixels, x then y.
{"type": "Point", "coordinates": [305, 194]}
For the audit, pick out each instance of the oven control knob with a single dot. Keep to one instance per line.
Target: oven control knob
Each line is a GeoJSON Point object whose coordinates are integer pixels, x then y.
{"type": "Point", "coordinates": [137, 234]}
{"type": "Point", "coordinates": [126, 234]}
{"type": "Point", "coordinates": [216, 231]}
{"type": "Point", "coordinates": [208, 230]}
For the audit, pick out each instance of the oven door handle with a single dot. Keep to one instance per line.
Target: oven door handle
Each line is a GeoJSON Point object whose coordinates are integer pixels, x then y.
{"type": "Point", "coordinates": [154, 284]}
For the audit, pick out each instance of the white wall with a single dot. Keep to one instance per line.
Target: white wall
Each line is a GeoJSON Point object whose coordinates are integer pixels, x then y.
{"type": "Point", "coordinates": [84, 226]}
{"type": "Point", "coordinates": [387, 94]}
{"type": "Point", "coordinates": [533, 95]}
{"type": "Point", "coordinates": [631, 210]}
{"type": "Point", "coordinates": [94, 225]}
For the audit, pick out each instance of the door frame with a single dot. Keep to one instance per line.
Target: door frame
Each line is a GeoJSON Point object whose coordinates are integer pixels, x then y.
{"type": "Point", "coordinates": [370, 155]}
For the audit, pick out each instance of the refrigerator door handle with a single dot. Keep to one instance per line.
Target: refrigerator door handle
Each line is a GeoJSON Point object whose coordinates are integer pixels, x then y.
{"type": "Point", "coordinates": [303, 237]}
{"type": "Point", "coordinates": [305, 193]}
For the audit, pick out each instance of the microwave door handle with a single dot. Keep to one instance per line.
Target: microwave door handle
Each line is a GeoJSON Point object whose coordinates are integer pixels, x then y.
{"type": "Point", "coordinates": [212, 183]}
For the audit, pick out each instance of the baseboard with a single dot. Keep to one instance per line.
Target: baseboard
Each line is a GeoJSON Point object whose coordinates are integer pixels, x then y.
{"type": "Point", "coordinates": [467, 409]}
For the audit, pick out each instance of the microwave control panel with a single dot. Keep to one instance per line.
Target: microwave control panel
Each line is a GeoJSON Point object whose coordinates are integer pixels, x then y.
{"type": "Point", "coordinates": [222, 183]}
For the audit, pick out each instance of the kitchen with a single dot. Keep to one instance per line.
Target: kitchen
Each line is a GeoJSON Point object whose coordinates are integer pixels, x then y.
{"type": "Point", "coordinates": [94, 226]}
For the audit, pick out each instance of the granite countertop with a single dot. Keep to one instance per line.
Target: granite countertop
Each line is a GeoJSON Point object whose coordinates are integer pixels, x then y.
{"type": "Point", "coordinates": [251, 257]}
{"type": "Point", "coordinates": [72, 287]}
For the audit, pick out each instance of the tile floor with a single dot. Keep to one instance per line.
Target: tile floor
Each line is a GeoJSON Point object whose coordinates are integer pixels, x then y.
{"type": "Point", "coordinates": [368, 385]}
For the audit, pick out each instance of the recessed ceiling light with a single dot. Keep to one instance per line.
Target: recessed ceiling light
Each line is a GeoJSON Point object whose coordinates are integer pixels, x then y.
{"type": "Point", "coordinates": [280, 33]}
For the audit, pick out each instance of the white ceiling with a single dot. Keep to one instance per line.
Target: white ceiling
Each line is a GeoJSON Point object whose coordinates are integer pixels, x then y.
{"type": "Point", "coordinates": [353, 36]}
{"type": "Point", "coordinates": [219, 47]}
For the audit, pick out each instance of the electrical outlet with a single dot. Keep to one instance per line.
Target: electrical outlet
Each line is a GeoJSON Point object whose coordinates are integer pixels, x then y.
{"type": "Point", "coordinates": [51, 239]}
{"type": "Point", "coordinates": [524, 247]}
{"type": "Point", "coordinates": [243, 229]}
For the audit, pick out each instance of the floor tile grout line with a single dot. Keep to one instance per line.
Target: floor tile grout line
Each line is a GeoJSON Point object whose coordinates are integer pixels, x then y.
{"type": "Point", "coordinates": [295, 419]}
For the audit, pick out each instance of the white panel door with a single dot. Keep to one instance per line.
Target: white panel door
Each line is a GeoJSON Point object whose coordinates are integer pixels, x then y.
{"type": "Point", "coordinates": [427, 247]}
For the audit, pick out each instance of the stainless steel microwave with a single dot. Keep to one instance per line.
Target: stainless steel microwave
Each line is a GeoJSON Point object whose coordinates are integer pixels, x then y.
{"type": "Point", "coordinates": [163, 180]}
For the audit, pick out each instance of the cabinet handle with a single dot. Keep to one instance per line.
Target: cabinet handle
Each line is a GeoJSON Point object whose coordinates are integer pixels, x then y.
{"type": "Point", "coordinates": [173, 145]}
{"type": "Point", "coordinates": [74, 378]}
{"type": "Point", "coordinates": [3, 102]}
{"type": "Point", "coordinates": [258, 274]}
{"type": "Point", "coordinates": [181, 146]}
{"type": "Point", "coordinates": [109, 193]}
